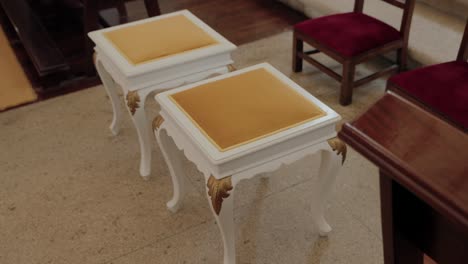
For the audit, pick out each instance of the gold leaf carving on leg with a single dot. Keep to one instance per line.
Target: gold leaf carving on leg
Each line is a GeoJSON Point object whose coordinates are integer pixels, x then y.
{"type": "Point", "coordinates": [132, 101]}
{"type": "Point", "coordinates": [157, 121]}
{"type": "Point", "coordinates": [339, 146]}
{"type": "Point", "coordinates": [218, 190]}
{"type": "Point", "coordinates": [231, 68]}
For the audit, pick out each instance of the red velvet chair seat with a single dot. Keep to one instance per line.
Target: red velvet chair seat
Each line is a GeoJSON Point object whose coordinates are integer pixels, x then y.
{"type": "Point", "coordinates": [349, 34]}
{"type": "Point", "coordinates": [442, 87]}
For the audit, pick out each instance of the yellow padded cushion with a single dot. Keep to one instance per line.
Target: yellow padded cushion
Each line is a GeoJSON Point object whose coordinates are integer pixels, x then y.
{"type": "Point", "coordinates": [244, 108]}
{"type": "Point", "coordinates": [157, 39]}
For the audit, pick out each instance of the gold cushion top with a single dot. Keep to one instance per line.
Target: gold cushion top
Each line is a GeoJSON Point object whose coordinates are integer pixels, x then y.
{"type": "Point", "coordinates": [158, 39]}
{"type": "Point", "coordinates": [243, 108]}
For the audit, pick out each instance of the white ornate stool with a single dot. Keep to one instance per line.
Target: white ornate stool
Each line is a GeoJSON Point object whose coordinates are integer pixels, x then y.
{"type": "Point", "coordinates": [152, 55]}
{"type": "Point", "coordinates": [239, 125]}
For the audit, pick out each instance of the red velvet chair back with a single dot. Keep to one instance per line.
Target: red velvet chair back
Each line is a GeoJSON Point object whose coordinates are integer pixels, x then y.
{"type": "Point", "coordinates": [463, 52]}
{"type": "Point", "coordinates": [406, 5]}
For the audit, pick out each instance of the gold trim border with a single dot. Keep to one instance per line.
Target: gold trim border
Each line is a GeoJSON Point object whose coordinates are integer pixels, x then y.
{"type": "Point", "coordinates": [320, 115]}
{"type": "Point", "coordinates": [215, 43]}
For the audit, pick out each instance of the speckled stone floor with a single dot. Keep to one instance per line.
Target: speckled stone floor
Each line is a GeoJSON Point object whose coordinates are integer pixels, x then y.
{"type": "Point", "coordinates": [70, 192]}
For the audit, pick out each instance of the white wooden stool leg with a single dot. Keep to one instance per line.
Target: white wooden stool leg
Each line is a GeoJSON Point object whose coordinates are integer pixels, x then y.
{"type": "Point", "coordinates": [220, 194]}
{"type": "Point", "coordinates": [329, 167]}
{"type": "Point", "coordinates": [111, 89]}
{"type": "Point", "coordinates": [136, 107]}
{"type": "Point", "coordinates": [173, 158]}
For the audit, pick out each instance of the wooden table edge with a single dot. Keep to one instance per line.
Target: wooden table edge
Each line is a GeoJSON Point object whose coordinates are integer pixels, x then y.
{"type": "Point", "coordinates": [388, 162]}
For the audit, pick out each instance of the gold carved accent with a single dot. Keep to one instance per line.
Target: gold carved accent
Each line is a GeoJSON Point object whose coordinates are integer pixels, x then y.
{"type": "Point", "coordinates": [339, 146]}
{"type": "Point", "coordinates": [132, 101]}
{"type": "Point", "coordinates": [218, 191]}
{"type": "Point", "coordinates": [157, 121]}
{"type": "Point", "coordinates": [231, 68]}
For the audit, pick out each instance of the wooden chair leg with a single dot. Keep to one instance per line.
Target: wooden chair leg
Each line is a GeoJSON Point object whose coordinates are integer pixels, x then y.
{"type": "Point", "coordinates": [402, 59]}
{"type": "Point", "coordinates": [397, 249]}
{"type": "Point", "coordinates": [123, 16]}
{"type": "Point", "coordinates": [152, 7]}
{"type": "Point", "coordinates": [346, 93]}
{"type": "Point", "coordinates": [298, 46]}
{"type": "Point", "coordinates": [90, 23]}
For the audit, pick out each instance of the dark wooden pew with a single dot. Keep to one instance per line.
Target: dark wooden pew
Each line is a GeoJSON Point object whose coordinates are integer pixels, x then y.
{"type": "Point", "coordinates": [42, 50]}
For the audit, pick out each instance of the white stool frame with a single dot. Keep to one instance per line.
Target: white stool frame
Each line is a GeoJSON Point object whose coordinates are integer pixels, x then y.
{"type": "Point", "coordinates": [222, 174]}
{"type": "Point", "coordinates": [139, 81]}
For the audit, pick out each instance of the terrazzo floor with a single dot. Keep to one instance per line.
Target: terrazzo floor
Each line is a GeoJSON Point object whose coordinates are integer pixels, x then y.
{"type": "Point", "coordinates": [70, 192]}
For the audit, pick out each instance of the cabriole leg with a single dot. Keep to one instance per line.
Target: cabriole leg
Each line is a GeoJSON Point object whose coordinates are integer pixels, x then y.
{"type": "Point", "coordinates": [220, 194]}
{"type": "Point", "coordinates": [173, 159]}
{"type": "Point", "coordinates": [329, 168]}
{"type": "Point", "coordinates": [136, 108]}
{"type": "Point", "coordinates": [111, 89]}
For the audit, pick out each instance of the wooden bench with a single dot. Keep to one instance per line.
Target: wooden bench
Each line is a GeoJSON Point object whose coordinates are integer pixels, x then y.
{"type": "Point", "coordinates": [42, 50]}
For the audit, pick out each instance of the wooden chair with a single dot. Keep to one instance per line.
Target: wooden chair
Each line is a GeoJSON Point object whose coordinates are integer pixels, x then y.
{"type": "Point", "coordinates": [440, 88]}
{"type": "Point", "coordinates": [352, 38]}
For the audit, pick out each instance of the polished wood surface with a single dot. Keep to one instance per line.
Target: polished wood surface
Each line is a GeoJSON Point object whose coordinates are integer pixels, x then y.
{"type": "Point", "coordinates": [43, 51]}
{"type": "Point", "coordinates": [349, 64]}
{"type": "Point", "coordinates": [240, 21]}
{"type": "Point", "coordinates": [412, 229]}
{"type": "Point", "coordinates": [397, 249]}
{"type": "Point", "coordinates": [152, 7]}
{"type": "Point", "coordinates": [426, 154]}
{"type": "Point", "coordinates": [91, 22]}
{"type": "Point", "coordinates": [53, 34]}
{"type": "Point", "coordinates": [424, 179]}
